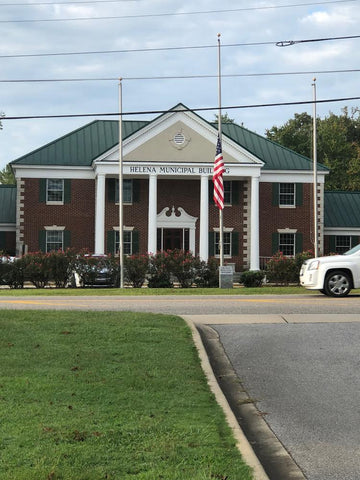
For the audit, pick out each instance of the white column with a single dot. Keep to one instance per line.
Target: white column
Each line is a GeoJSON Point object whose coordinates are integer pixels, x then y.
{"type": "Point", "coordinates": [100, 214]}
{"type": "Point", "coordinates": [204, 219]}
{"type": "Point", "coordinates": [152, 213]}
{"type": "Point", "coordinates": [254, 224]}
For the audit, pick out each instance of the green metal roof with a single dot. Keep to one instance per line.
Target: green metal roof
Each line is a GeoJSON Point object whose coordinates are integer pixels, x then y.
{"type": "Point", "coordinates": [82, 146]}
{"type": "Point", "coordinates": [275, 156]}
{"type": "Point", "coordinates": [342, 209]}
{"type": "Point", "coordinates": [8, 204]}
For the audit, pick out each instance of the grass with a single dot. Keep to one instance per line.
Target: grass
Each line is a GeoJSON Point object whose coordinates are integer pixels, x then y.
{"type": "Point", "coordinates": [267, 290]}
{"type": "Point", "coordinates": [90, 396]}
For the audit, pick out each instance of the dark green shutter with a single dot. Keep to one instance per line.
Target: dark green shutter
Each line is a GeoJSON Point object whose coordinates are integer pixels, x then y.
{"type": "Point", "coordinates": [211, 193]}
{"type": "Point", "coordinates": [67, 191]}
{"type": "Point", "coordinates": [135, 241]}
{"type": "Point", "coordinates": [211, 244]}
{"type": "Point", "coordinates": [136, 191]}
{"type": "Point", "coordinates": [275, 194]}
{"type": "Point", "coordinates": [275, 243]}
{"type": "Point", "coordinates": [110, 242]}
{"type": "Point", "coordinates": [2, 241]}
{"type": "Point", "coordinates": [42, 190]}
{"type": "Point", "coordinates": [235, 244]}
{"type": "Point", "coordinates": [299, 194]}
{"type": "Point", "coordinates": [298, 242]}
{"type": "Point", "coordinates": [332, 243]}
{"type": "Point", "coordinates": [42, 240]}
{"type": "Point", "coordinates": [67, 239]}
{"type": "Point", "coordinates": [111, 190]}
{"type": "Point", "coordinates": [235, 193]}
{"type": "Point", "coordinates": [354, 241]}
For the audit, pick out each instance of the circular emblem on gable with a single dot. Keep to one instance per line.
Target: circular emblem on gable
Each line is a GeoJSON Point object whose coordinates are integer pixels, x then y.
{"type": "Point", "coordinates": [179, 140]}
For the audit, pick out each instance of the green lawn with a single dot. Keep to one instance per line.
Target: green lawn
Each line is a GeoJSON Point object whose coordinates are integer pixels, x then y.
{"type": "Point", "coordinates": [267, 290]}
{"type": "Point", "coordinates": [91, 396]}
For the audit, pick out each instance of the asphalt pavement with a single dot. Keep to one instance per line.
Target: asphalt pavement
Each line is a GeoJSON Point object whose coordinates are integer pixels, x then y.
{"type": "Point", "coordinates": [302, 381]}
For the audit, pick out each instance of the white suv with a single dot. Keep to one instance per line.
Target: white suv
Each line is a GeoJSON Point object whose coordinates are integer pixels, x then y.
{"type": "Point", "coordinates": [333, 275]}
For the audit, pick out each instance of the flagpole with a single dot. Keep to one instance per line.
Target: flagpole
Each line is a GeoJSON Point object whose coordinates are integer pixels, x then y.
{"type": "Point", "coordinates": [221, 221]}
{"type": "Point", "coordinates": [316, 247]}
{"type": "Point", "coordinates": [121, 219]}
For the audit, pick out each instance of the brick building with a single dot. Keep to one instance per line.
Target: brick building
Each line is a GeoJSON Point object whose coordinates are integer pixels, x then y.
{"type": "Point", "coordinates": [67, 191]}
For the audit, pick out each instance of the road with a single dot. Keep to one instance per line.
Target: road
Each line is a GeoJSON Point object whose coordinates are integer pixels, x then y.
{"type": "Point", "coordinates": [296, 356]}
{"type": "Point", "coordinates": [194, 305]}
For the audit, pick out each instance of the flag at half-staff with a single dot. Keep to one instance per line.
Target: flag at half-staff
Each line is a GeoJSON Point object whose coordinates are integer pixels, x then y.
{"type": "Point", "coordinates": [219, 169]}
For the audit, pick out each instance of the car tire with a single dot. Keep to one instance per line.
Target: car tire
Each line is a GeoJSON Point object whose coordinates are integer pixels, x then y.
{"type": "Point", "coordinates": [337, 284]}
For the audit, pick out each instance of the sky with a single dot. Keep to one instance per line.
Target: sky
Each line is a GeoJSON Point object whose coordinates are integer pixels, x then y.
{"type": "Point", "coordinates": [157, 39]}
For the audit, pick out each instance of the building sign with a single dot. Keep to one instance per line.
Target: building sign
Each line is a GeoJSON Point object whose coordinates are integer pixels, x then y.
{"type": "Point", "coordinates": [169, 170]}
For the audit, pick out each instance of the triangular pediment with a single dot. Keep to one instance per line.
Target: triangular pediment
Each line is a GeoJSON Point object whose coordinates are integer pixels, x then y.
{"type": "Point", "coordinates": [179, 136]}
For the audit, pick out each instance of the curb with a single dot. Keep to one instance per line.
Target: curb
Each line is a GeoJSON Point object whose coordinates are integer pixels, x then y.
{"type": "Point", "coordinates": [242, 443]}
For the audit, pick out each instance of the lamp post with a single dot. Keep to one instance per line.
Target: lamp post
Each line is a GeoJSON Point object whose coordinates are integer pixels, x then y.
{"type": "Point", "coordinates": [316, 247]}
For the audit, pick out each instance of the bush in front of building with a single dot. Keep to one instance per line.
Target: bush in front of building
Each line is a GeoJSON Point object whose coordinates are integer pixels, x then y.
{"type": "Point", "coordinates": [11, 271]}
{"type": "Point", "coordinates": [135, 269]}
{"type": "Point", "coordinates": [252, 278]}
{"type": "Point", "coordinates": [207, 274]}
{"type": "Point", "coordinates": [183, 266]}
{"type": "Point", "coordinates": [61, 265]}
{"type": "Point", "coordinates": [282, 270]}
{"type": "Point", "coordinates": [159, 274]}
{"type": "Point", "coordinates": [37, 268]}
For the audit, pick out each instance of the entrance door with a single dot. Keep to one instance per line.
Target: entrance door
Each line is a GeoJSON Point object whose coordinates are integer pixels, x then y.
{"type": "Point", "coordinates": [172, 239]}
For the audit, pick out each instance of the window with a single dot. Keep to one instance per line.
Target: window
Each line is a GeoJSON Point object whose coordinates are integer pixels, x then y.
{"type": "Point", "coordinates": [286, 194]}
{"type": "Point", "coordinates": [342, 243]}
{"type": "Point", "coordinates": [54, 240]}
{"type": "Point", "coordinates": [127, 242]}
{"type": "Point", "coordinates": [54, 190]}
{"type": "Point", "coordinates": [127, 191]}
{"type": "Point", "coordinates": [226, 243]}
{"type": "Point", "coordinates": [287, 244]}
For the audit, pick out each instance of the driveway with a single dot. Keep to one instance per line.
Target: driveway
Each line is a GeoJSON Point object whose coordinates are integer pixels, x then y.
{"type": "Point", "coordinates": [304, 379]}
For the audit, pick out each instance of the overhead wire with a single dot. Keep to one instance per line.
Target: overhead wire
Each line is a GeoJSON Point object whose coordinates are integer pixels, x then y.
{"type": "Point", "coordinates": [188, 47]}
{"type": "Point", "coordinates": [160, 112]}
{"type": "Point", "coordinates": [164, 14]}
{"type": "Point", "coordinates": [176, 77]}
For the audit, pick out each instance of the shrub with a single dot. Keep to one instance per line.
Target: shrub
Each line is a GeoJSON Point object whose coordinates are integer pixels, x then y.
{"type": "Point", "coordinates": [159, 271]}
{"type": "Point", "coordinates": [37, 269]}
{"type": "Point", "coordinates": [252, 278]}
{"type": "Point", "coordinates": [61, 265]}
{"type": "Point", "coordinates": [183, 266]}
{"type": "Point", "coordinates": [12, 272]}
{"type": "Point", "coordinates": [207, 274]}
{"type": "Point", "coordinates": [136, 267]}
{"type": "Point", "coordinates": [283, 270]}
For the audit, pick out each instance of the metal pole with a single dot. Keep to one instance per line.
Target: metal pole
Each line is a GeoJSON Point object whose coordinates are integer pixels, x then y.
{"type": "Point", "coordinates": [121, 219]}
{"type": "Point", "coordinates": [315, 202]}
{"type": "Point", "coordinates": [221, 221]}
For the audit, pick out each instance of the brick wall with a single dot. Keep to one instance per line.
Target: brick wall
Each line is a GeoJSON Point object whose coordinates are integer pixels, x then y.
{"type": "Point", "coordinates": [273, 218]}
{"type": "Point", "coordinates": [76, 216]}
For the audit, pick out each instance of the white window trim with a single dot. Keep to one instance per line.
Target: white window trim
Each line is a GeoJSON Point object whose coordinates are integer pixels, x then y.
{"type": "Point", "coordinates": [225, 230]}
{"type": "Point", "coordinates": [54, 227]}
{"type": "Point", "coordinates": [287, 206]}
{"type": "Point", "coordinates": [55, 202]}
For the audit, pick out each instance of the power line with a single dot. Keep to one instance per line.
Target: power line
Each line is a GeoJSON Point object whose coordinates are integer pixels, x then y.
{"type": "Point", "coordinates": [160, 112]}
{"type": "Point", "coordinates": [169, 14]}
{"type": "Point", "coordinates": [176, 77]}
{"type": "Point", "coordinates": [164, 49]}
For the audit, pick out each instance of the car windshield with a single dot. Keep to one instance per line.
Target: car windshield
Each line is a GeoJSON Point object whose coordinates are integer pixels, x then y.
{"type": "Point", "coordinates": [353, 250]}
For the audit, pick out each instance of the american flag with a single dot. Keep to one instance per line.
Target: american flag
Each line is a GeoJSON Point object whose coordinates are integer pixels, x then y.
{"type": "Point", "coordinates": [219, 169]}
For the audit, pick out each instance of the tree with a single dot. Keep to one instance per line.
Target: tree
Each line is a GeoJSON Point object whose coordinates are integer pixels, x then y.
{"type": "Point", "coordinates": [224, 118]}
{"type": "Point", "coordinates": [338, 144]}
{"type": "Point", "coordinates": [7, 176]}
